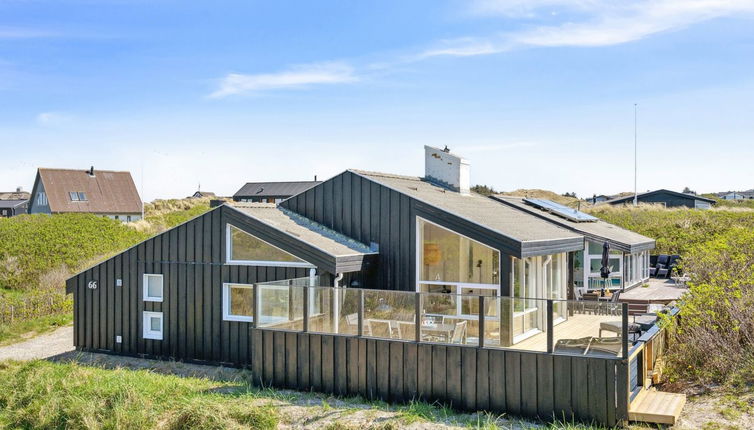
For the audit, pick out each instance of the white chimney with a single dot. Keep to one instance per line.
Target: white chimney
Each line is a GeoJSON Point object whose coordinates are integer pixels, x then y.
{"type": "Point", "coordinates": [446, 169]}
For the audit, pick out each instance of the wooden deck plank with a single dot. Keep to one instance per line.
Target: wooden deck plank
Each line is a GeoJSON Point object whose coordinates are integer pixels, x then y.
{"type": "Point", "coordinates": [657, 407]}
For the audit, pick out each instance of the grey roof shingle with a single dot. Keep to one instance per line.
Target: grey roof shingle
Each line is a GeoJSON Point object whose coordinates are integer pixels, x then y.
{"type": "Point", "coordinates": [620, 238]}
{"type": "Point", "coordinates": [304, 229]}
{"type": "Point", "coordinates": [274, 189]}
{"type": "Point", "coordinates": [476, 208]}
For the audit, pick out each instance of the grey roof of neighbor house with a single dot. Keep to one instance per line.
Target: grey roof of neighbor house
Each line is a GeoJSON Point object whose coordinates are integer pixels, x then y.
{"type": "Point", "coordinates": [107, 192]}
{"type": "Point", "coordinates": [474, 207]}
{"type": "Point", "coordinates": [303, 229]}
{"type": "Point", "coordinates": [660, 191]}
{"type": "Point", "coordinates": [274, 189]}
{"type": "Point", "coordinates": [600, 231]}
{"type": "Point", "coordinates": [12, 203]}
{"type": "Point", "coordinates": [14, 195]}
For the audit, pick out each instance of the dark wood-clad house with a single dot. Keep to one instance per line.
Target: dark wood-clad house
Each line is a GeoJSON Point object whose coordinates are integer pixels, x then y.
{"type": "Point", "coordinates": [391, 287]}
{"type": "Point", "coordinates": [271, 192]}
{"type": "Point", "coordinates": [670, 199]}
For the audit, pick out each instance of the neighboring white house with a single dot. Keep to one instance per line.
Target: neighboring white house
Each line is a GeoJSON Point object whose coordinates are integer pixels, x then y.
{"type": "Point", "coordinates": [102, 192]}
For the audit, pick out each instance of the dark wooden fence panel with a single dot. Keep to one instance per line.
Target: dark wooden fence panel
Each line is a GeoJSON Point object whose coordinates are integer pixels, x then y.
{"type": "Point", "coordinates": [530, 384]}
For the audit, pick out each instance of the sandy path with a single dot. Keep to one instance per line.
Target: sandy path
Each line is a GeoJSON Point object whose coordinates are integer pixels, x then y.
{"type": "Point", "coordinates": [42, 346]}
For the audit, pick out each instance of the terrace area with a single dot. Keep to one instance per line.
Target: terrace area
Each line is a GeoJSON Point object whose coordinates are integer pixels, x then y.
{"type": "Point", "coordinates": [590, 328]}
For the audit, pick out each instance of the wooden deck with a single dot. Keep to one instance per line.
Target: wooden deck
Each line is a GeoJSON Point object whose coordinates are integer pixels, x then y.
{"type": "Point", "coordinates": [659, 291]}
{"type": "Point", "coordinates": [656, 407]}
{"type": "Point", "coordinates": [575, 327]}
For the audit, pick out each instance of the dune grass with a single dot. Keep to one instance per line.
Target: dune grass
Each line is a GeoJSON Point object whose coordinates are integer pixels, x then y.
{"type": "Point", "coordinates": [41, 394]}
{"type": "Point", "coordinates": [20, 330]}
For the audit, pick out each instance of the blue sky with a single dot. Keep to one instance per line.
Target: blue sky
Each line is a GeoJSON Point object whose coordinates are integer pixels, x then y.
{"type": "Point", "coordinates": [536, 94]}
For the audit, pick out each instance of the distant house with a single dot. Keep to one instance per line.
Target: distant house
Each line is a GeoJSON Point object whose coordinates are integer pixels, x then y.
{"type": "Point", "coordinates": [736, 195]}
{"type": "Point", "coordinates": [271, 192]}
{"type": "Point", "coordinates": [102, 192]}
{"type": "Point", "coordinates": [203, 195]}
{"type": "Point", "coordinates": [9, 208]}
{"type": "Point", "coordinates": [598, 199]}
{"type": "Point", "coordinates": [668, 198]}
{"type": "Point", "coordinates": [13, 203]}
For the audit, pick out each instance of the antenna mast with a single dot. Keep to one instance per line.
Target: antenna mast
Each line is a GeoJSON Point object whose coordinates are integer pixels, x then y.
{"type": "Point", "coordinates": [636, 159]}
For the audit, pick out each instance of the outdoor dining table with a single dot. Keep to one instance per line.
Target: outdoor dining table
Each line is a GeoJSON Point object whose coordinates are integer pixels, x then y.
{"type": "Point", "coordinates": [443, 331]}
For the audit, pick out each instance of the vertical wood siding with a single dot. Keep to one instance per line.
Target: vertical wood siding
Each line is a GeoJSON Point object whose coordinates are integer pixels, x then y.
{"type": "Point", "coordinates": [520, 383]}
{"type": "Point", "coordinates": [369, 212]}
{"type": "Point", "coordinates": [190, 259]}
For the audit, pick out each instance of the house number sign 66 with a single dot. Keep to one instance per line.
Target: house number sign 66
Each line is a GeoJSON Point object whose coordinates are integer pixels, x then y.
{"type": "Point", "coordinates": [92, 285]}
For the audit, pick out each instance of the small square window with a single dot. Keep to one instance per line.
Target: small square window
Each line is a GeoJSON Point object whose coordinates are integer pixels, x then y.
{"type": "Point", "coordinates": [82, 196]}
{"type": "Point", "coordinates": [74, 196]}
{"type": "Point", "coordinates": [238, 300]}
{"type": "Point", "coordinates": [152, 287]}
{"type": "Point", "coordinates": [152, 325]}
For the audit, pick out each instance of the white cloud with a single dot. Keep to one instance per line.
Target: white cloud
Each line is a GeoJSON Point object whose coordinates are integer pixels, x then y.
{"type": "Point", "coordinates": [593, 23]}
{"type": "Point", "coordinates": [295, 77]}
{"type": "Point", "coordinates": [49, 119]}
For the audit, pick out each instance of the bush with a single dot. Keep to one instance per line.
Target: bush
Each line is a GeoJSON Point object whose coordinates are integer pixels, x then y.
{"type": "Point", "coordinates": [714, 338]}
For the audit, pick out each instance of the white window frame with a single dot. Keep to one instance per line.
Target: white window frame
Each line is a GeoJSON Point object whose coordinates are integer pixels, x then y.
{"type": "Point", "coordinates": [148, 333]}
{"type": "Point", "coordinates": [460, 286]}
{"type": "Point", "coordinates": [145, 288]}
{"type": "Point", "coordinates": [229, 254]}
{"type": "Point", "coordinates": [227, 316]}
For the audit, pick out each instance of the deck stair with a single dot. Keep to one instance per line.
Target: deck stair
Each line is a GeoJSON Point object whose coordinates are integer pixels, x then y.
{"type": "Point", "coordinates": [657, 407]}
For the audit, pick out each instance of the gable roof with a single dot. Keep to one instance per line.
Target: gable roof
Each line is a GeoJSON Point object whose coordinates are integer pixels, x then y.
{"type": "Point", "coordinates": [107, 192]}
{"type": "Point", "coordinates": [478, 209]}
{"type": "Point", "coordinates": [274, 189]}
{"type": "Point", "coordinates": [660, 191]}
{"type": "Point", "coordinates": [295, 233]}
{"type": "Point", "coordinates": [600, 231]}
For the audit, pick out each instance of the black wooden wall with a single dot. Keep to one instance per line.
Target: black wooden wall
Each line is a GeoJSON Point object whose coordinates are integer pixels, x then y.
{"type": "Point", "coordinates": [369, 212]}
{"type": "Point", "coordinates": [468, 378]}
{"type": "Point", "coordinates": [190, 258]}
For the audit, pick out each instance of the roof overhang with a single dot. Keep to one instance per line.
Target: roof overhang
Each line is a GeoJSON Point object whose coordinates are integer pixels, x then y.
{"type": "Point", "coordinates": [344, 260]}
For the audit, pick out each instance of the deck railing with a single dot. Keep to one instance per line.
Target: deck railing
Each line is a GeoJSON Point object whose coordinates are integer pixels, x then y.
{"type": "Point", "coordinates": [588, 328]}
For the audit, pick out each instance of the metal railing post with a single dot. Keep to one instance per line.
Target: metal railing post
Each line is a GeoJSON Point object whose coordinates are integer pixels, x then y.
{"type": "Point", "coordinates": [550, 325]}
{"type": "Point", "coordinates": [305, 328]}
{"type": "Point", "coordinates": [481, 321]}
{"type": "Point", "coordinates": [624, 331]}
{"type": "Point", "coordinates": [360, 313]}
{"type": "Point", "coordinates": [417, 320]}
{"type": "Point", "coordinates": [255, 305]}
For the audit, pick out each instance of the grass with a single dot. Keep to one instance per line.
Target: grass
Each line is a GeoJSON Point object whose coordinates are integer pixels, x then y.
{"type": "Point", "coordinates": [40, 394]}
{"type": "Point", "coordinates": [20, 330]}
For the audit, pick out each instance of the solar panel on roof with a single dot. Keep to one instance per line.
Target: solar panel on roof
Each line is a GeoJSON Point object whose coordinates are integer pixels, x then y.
{"type": "Point", "coordinates": [560, 210]}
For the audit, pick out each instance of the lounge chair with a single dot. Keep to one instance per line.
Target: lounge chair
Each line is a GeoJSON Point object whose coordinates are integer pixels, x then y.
{"type": "Point", "coordinates": [661, 268]}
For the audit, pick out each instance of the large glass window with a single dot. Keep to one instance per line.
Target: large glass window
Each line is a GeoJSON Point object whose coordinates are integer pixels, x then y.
{"type": "Point", "coordinates": [448, 257]}
{"type": "Point", "coordinates": [455, 265]}
{"type": "Point", "coordinates": [244, 248]}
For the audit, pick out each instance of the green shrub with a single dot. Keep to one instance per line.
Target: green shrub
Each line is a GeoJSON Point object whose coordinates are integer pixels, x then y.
{"type": "Point", "coordinates": [714, 337]}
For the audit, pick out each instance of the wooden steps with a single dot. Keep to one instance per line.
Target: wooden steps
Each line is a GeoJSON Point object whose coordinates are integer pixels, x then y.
{"type": "Point", "coordinates": [651, 406]}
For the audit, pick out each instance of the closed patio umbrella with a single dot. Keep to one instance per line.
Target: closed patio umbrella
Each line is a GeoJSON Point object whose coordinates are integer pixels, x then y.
{"type": "Point", "coordinates": [605, 269]}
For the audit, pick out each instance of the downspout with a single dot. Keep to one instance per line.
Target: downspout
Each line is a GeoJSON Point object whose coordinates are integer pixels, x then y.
{"type": "Point", "coordinates": [338, 278]}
